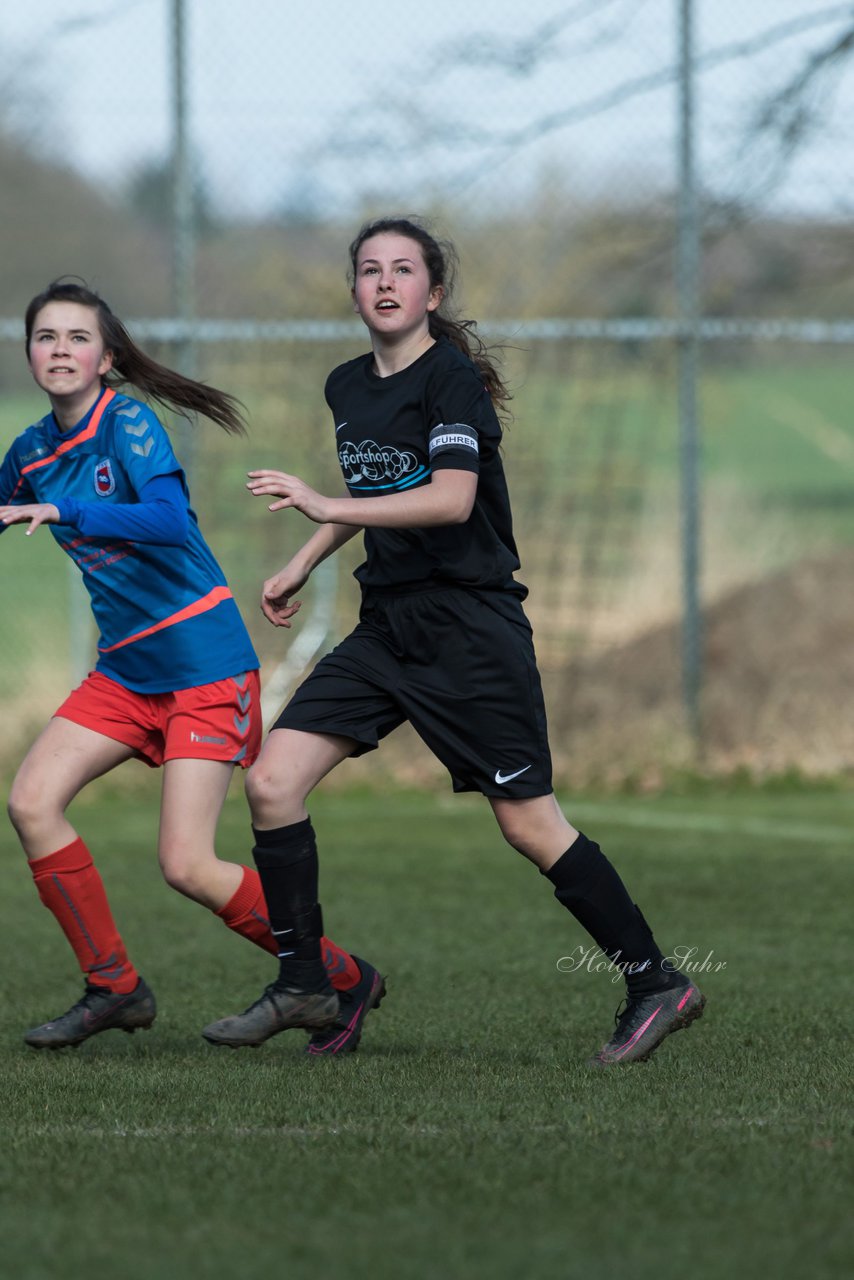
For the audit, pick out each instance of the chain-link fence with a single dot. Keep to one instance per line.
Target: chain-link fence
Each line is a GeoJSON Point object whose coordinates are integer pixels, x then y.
{"type": "Point", "coordinates": [547, 150]}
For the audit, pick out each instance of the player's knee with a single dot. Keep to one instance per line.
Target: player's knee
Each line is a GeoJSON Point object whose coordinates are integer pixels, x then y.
{"type": "Point", "coordinates": [25, 806]}
{"type": "Point", "coordinates": [12, 813]}
{"type": "Point", "coordinates": [268, 793]}
{"type": "Point", "coordinates": [181, 875]}
{"type": "Point", "coordinates": [514, 833]}
{"type": "Point", "coordinates": [518, 830]}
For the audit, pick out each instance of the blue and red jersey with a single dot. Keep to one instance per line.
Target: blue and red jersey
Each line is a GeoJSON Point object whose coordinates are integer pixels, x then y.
{"type": "Point", "coordinates": [165, 613]}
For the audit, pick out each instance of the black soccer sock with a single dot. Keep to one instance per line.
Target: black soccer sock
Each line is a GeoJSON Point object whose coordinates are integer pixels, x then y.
{"type": "Point", "coordinates": [286, 858]}
{"type": "Point", "coordinates": [587, 885]}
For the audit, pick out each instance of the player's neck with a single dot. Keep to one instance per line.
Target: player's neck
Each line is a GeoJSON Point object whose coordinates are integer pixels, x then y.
{"type": "Point", "coordinates": [391, 358]}
{"type": "Point", "coordinates": [69, 410]}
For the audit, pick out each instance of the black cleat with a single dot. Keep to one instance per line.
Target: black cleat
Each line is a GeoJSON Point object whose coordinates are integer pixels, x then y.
{"type": "Point", "coordinates": [98, 1010]}
{"type": "Point", "coordinates": [343, 1035]}
{"type": "Point", "coordinates": [645, 1022]}
{"type": "Point", "coordinates": [278, 1009]}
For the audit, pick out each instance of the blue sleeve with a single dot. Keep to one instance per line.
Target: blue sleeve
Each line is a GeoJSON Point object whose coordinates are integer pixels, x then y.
{"type": "Point", "coordinates": [14, 488]}
{"type": "Point", "coordinates": [159, 517]}
{"type": "Point", "coordinates": [140, 443]}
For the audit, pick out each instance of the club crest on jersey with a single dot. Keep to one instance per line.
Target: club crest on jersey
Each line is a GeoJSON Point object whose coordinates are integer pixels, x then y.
{"type": "Point", "coordinates": [105, 481]}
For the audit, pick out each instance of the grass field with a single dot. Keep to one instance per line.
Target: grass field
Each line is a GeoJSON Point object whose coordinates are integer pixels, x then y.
{"type": "Point", "coordinates": [467, 1138]}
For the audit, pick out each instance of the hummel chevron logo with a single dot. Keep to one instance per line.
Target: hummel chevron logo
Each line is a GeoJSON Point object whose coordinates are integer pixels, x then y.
{"type": "Point", "coordinates": [501, 778]}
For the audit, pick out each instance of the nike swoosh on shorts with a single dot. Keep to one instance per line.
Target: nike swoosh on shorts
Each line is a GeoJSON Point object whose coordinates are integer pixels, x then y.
{"type": "Point", "coordinates": [508, 777]}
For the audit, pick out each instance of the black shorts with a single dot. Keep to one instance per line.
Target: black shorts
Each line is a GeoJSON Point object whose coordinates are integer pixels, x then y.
{"type": "Point", "coordinates": [459, 665]}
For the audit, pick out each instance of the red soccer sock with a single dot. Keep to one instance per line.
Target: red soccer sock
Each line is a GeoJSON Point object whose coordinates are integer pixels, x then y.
{"type": "Point", "coordinates": [70, 886]}
{"type": "Point", "coordinates": [343, 970]}
{"type": "Point", "coordinates": [246, 913]}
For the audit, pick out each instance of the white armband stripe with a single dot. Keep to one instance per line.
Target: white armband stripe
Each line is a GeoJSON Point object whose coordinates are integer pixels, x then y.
{"type": "Point", "coordinates": [455, 435]}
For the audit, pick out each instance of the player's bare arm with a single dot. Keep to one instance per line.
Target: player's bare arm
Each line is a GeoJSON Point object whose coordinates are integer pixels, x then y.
{"type": "Point", "coordinates": [447, 499]}
{"type": "Point", "coordinates": [277, 603]}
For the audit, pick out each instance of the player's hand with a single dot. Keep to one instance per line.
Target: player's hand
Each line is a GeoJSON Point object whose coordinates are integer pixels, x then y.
{"type": "Point", "coordinates": [34, 514]}
{"type": "Point", "coordinates": [291, 491]}
{"type": "Point", "coordinates": [276, 603]}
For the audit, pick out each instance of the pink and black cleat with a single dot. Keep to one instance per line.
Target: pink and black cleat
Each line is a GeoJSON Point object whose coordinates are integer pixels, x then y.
{"type": "Point", "coordinates": [355, 1005]}
{"type": "Point", "coordinates": [644, 1023]}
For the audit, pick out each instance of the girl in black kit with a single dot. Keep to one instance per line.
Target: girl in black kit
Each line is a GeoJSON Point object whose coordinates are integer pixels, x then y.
{"type": "Point", "coordinates": [442, 641]}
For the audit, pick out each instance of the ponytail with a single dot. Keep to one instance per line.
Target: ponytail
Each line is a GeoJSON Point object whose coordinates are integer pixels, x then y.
{"type": "Point", "coordinates": [131, 365]}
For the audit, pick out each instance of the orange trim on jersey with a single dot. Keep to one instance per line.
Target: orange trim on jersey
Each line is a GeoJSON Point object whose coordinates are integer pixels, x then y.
{"type": "Point", "coordinates": [202, 605]}
{"type": "Point", "coordinates": [107, 395]}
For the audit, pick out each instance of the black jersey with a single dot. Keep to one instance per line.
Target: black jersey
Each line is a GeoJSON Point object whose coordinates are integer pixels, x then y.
{"type": "Point", "coordinates": [392, 433]}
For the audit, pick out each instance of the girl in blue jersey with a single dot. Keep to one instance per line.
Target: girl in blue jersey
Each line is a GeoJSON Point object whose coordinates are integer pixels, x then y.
{"type": "Point", "coordinates": [442, 639]}
{"type": "Point", "coordinates": [176, 681]}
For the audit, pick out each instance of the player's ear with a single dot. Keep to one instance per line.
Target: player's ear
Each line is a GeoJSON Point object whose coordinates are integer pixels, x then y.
{"type": "Point", "coordinates": [437, 293]}
{"type": "Point", "coordinates": [353, 296]}
{"type": "Point", "coordinates": [105, 364]}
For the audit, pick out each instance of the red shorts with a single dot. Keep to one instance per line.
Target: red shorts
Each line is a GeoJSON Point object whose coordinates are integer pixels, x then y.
{"type": "Point", "coordinates": [219, 721]}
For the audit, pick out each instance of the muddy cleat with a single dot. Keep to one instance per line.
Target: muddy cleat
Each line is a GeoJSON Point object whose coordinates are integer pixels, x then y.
{"type": "Point", "coordinates": [99, 1010]}
{"type": "Point", "coordinates": [343, 1035]}
{"type": "Point", "coordinates": [645, 1022]}
{"type": "Point", "coordinates": [277, 1010]}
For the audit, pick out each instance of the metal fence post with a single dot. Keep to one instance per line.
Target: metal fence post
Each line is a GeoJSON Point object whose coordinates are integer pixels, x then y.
{"type": "Point", "coordinates": [688, 300]}
{"type": "Point", "coordinates": [183, 212]}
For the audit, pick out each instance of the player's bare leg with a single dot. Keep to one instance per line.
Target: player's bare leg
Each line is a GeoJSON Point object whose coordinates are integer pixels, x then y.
{"type": "Point", "coordinates": [61, 762]}
{"type": "Point", "coordinates": [289, 767]}
{"type": "Point", "coordinates": [193, 794]}
{"type": "Point", "coordinates": [659, 998]}
{"type": "Point", "coordinates": [536, 827]}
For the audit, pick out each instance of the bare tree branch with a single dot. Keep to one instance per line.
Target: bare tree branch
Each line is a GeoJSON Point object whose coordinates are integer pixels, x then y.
{"type": "Point", "coordinates": [485, 50]}
{"type": "Point", "coordinates": [83, 21]}
{"type": "Point", "coordinates": [786, 113]}
{"type": "Point", "coordinates": [425, 131]}
{"type": "Point", "coordinates": [785, 120]}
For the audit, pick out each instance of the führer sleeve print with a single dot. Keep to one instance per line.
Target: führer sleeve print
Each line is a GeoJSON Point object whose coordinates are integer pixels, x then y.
{"type": "Point", "coordinates": [461, 416]}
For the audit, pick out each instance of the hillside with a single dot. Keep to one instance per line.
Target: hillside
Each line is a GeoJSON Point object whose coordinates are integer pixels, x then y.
{"type": "Point", "coordinates": [778, 678]}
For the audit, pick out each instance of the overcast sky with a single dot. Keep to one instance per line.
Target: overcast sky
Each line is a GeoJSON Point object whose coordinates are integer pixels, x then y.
{"type": "Point", "coordinates": [292, 103]}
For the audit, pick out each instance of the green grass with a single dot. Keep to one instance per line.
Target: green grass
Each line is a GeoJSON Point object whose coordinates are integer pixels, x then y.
{"type": "Point", "coordinates": [781, 429]}
{"type": "Point", "coordinates": [467, 1138]}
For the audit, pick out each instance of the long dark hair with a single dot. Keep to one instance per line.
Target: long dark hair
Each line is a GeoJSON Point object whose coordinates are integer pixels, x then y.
{"type": "Point", "coordinates": [132, 365]}
{"type": "Point", "coordinates": [442, 262]}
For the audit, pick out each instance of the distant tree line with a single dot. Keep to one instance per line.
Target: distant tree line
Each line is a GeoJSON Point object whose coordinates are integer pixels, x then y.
{"type": "Point", "coordinates": [556, 257]}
